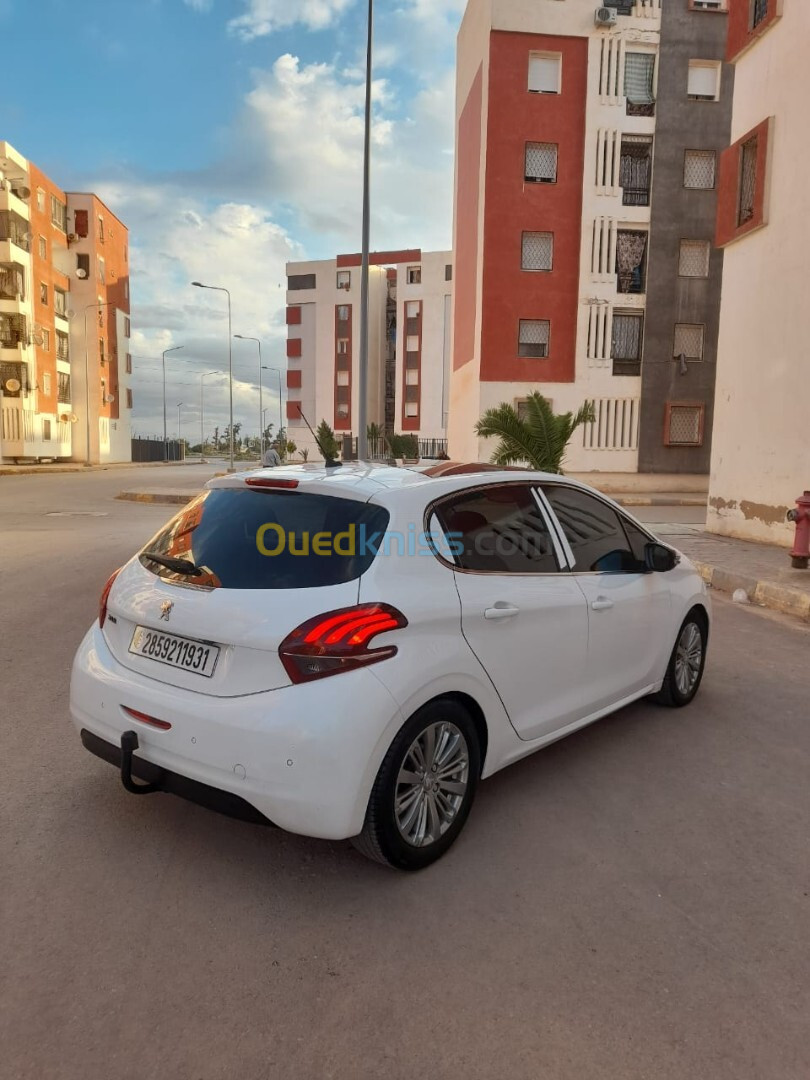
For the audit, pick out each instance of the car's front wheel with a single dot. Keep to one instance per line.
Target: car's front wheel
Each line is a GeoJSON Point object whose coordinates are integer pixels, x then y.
{"type": "Point", "coordinates": [424, 788]}
{"type": "Point", "coordinates": [686, 665]}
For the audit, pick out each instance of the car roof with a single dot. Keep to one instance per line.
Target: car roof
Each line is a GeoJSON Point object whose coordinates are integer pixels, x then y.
{"type": "Point", "coordinates": [363, 480]}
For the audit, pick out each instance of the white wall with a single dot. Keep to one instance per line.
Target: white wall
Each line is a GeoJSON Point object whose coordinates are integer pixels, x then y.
{"type": "Point", "coordinates": [761, 447]}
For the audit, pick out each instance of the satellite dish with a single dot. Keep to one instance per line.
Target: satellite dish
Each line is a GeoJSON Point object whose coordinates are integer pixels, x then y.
{"type": "Point", "coordinates": [22, 192]}
{"type": "Point", "coordinates": [13, 386]}
{"type": "Point", "coordinates": [70, 313]}
{"type": "Point", "coordinates": [37, 337]}
{"type": "Point", "coordinates": [74, 418]}
{"type": "Point", "coordinates": [81, 273]}
{"type": "Point", "coordinates": [109, 398]}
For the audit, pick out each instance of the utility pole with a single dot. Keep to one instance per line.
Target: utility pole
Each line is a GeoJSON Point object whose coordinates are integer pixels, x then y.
{"type": "Point", "coordinates": [362, 436]}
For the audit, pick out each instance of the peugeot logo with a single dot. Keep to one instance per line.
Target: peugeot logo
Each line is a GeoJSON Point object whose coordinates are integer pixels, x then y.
{"type": "Point", "coordinates": [166, 609]}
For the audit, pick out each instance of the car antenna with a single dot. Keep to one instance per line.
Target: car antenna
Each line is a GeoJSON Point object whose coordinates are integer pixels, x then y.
{"type": "Point", "coordinates": [330, 461]}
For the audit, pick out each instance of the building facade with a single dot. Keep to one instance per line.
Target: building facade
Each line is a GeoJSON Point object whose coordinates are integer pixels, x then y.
{"type": "Point", "coordinates": [52, 269]}
{"type": "Point", "coordinates": [761, 450]}
{"type": "Point", "coordinates": [585, 191]}
{"type": "Point", "coordinates": [410, 306]}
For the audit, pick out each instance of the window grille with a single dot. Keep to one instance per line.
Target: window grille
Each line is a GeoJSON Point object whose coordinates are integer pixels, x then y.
{"type": "Point", "coordinates": [699, 169]}
{"type": "Point", "coordinates": [759, 11]}
{"type": "Point", "coordinates": [626, 342]}
{"type": "Point", "coordinates": [534, 337]}
{"type": "Point", "coordinates": [694, 258]}
{"type": "Point", "coordinates": [541, 163]}
{"type": "Point", "coordinates": [63, 395]}
{"type": "Point", "coordinates": [635, 167]}
{"type": "Point", "coordinates": [684, 425]}
{"type": "Point", "coordinates": [748, 180]}
{"type": "Point", "coordinates": [538, 250]}
{"type": "Point", "coordinates": [631, 252]}
{"type": "Point", "coordinates": [688, 341]}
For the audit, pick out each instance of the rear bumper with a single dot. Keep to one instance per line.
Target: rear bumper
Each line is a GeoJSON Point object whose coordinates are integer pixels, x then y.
{"type": "Point", "coordinates": [304, 757]}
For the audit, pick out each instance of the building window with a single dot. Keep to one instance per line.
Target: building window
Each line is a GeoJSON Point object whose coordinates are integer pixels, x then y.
{"type": "Point", "coordinates": [412, 343]}
{"type": "Point", "coordinates": [448, 272]}
{"type": "Point", "coordinates": [43, 293]}
{"type": "Point", "coordinates": [683, 424]}
{"type": "Point", "coordinates": [344, 279]}
{"type": "Point", "coordinates": [63, 380]}
{"type": "Point", "coordinates": [343, 346]}
{"type": "Point", "coordinates": [127, 327]}
{"type": "Point", "coordinates": [626, 344]}
{"type": "Point", "coordinates": [101, 356]}
{"type": "Point", "coordinates": [343, 410]}
{"type": "Point", "coordinates": [102, 270]}
{"type": "Point", "coordinates": [412, 377]}
{"type": "Point", "coordinates": [414, 275]}
{"type": "Point", "coordinates": [635, 169]}
{"type": "Point", "coordinates": [129, 398]}
{"type": "Point", "coordinates": [694, 258]}
{"type": "Point", "coordinates": [46, 429]}
{"type": "Point", "coordinates": [708, 5]}
{"type": "Point", "coordinates": [623, 7]}
{"type": "Point", "coordinates": [699, 169]}
{"type": "Point", "coordinates": [58, 214]}
{"type": "Point", "coordinates": [82, 266]}
{"type": "Point", "coordinates": [40, 200]}
{"type": "Point", "coordinates": [297, 282]}
{"type": "Point", "coordinates": [631, 261]}
{"type": "Point", "coordinates": [46, 340]}
{"type": "Point", "coordinates": [703, 82]}
{"type": "Point", "coordinates": [412, 309]}
{"type": "Point", "coordinates": [541, 163]}
{"type": "Point", "coordinates": [639, 83]}
{"type": "Point", "coordinates": [62, 347]}
{"type": "Point", "coordinates": [759, 12]}
{"type": "Point", "coordinates": [60, 302]}
{"type": "Point", "coordinates": [411, 409]}
{"type": "Point", "coordinates": [46, 383]}
{"type": "Point", "coordinates": [688, 341]}
{"type": "Point", "coordinates": [533, 338]}
{"type": "Point", "coordinates": [343, 313]}
{"type": "Point", "coordinates": [43, 248]}
{"type": "Point", "coordinates": [538, 251]}
{"type": "Point", "coordinates": [545, 71]}
{"type": "Point", "coordinates": [748, 180]}
{"type": "Point", "coordinates": [101, 230]}
{"type": "Point", "coordinates": [342, 378]}
{"type": "Point", "coordinates": [128, 366]}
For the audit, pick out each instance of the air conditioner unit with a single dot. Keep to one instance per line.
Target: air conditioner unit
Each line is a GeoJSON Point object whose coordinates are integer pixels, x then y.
{"type": "Point", "coordinates": [605, 16]}
{"type": "Point", "coordinates": [12, 386]}
{"type": "Point", "coordinates": [22, 192]}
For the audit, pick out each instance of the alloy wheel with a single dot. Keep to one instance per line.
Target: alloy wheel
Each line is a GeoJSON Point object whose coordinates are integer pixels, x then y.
{"type": "Point", "coordinates": [431, 784]}
{"type": "Point", "coordinates": [688, 659]}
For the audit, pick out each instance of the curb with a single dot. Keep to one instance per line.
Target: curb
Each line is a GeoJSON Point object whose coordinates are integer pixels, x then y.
{"type": "Point", "coordinates": [660, 500]}
{"type": "Point", "coordinates": [80, 467]}
{"type": "Point", "coordinates": [770, 594]}
{"type": "Point", "coordinates": [162, 498]}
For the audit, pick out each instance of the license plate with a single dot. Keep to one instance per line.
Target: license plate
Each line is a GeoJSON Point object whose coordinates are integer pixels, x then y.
{"type": "Point", "coordinates": [198, 657]}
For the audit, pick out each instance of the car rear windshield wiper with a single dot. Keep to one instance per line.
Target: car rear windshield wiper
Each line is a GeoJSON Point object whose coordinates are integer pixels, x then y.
{"type": "Point", "coordinates": [177, 566]}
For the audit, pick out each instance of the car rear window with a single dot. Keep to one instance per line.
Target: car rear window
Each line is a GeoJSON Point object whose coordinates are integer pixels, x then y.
{"type": "Point", "coordinates": [270, 540]}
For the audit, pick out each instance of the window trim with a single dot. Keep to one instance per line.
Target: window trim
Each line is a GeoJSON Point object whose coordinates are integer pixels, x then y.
{"type": "Point", "coordinates": [536, 269]}
{"type": "Point", "coordinates": [714, 65]}
{"type": "Point", "coordinates": [536, 491]}
{"type": "Point", "coordinates": [668, 407]}
{"type": "Point", "coordinates": [541, 54]}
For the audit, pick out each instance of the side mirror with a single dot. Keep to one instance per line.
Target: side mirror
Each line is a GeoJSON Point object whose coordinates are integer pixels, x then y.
{"type": "Point", "coordinates": [660, 559]}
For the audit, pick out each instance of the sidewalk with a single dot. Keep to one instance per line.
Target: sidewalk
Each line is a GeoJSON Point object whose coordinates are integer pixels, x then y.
{"type": "Point", "coordinates": [763, 571]}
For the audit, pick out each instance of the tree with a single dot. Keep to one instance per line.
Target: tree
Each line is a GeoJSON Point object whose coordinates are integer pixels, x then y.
{"type": "Point", "coordinates": [538, 440]}
{"type": "Point", "coordinates": [268, 434]}
{"type": "Point", "coordinates": [330, 447]}
{"type": "Point", "coordinates": [304, 454]}
{"type": "Point", "coordinates": [216, 438]}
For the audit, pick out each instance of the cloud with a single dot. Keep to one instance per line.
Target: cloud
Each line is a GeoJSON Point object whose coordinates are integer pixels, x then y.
{"type": "Point", "coordinates": [199, 5]}
{"type": "Point", "coordinates": [264, 16]}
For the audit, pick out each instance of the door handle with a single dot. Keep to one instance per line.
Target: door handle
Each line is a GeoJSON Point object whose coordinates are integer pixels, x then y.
{"type": "Point", "coordinates": [602, 604]}
{"type": "Point", "coordinates": [501, 611]}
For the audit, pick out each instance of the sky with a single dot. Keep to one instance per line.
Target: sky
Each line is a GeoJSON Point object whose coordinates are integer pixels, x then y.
{"type": "Point", "coordinates": [228, 136]}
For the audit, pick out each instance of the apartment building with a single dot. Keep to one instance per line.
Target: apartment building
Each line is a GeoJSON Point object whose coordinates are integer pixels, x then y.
{"type": "Point", "coordinates": [409, 325]}
{"type": "Point", "coordinates": [761, 450]}
{"type": "Point", "coordinates": [50, 274]}
{"type": "Point", "coordinates": [586, 162]}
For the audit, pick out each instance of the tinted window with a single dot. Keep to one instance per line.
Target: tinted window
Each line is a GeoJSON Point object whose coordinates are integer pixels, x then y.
{"type": "Point", "coordinates": [312, 540]}
{"type": "Point", "coordinates": [594, 531]}
{"type": "Point", "coordinates": [638, 539]}
{"type": "Point", "coordinates": [501, 530]}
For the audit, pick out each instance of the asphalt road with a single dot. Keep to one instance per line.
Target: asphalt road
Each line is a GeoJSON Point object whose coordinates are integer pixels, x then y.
{"type": "Point", "coordinates": [631, 903]}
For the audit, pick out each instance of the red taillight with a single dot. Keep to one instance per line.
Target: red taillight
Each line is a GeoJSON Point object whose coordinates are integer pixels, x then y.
{"type": "Point", "coordinates": [161, 725]}
{"type": "Point", "coordinates": [339, 641]}
{"type": "Point", "coordinates": [105, 595]}
{"type": "Point", "coordinates": [269, 482]}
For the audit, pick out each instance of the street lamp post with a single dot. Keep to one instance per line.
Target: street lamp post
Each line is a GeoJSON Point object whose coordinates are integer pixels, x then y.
{"type": "Point", "coordinates": [180, 405]}
{"type": "Point", "coordinates": [362, 435]}
{"type": "Point", "coordinates": [89, 307]}
{"type": "Point", "coordinates": [219, 288]}
{"type": "Point", "coordinates": [261, 410]}
{"type": "Point", "coordinates": [165, 433]}
{"type": "Point", "coordinates": [203, 376]}
{"type": "Point", "coordinates": [280, 418]}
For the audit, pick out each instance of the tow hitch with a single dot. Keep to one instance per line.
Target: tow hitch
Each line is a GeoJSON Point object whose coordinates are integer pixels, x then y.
{"type": "Point", "coordinates": [129, 744]}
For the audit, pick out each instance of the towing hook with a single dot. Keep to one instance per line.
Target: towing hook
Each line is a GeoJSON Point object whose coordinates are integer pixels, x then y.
{"type": "Point", "coordinates": [129, 744]}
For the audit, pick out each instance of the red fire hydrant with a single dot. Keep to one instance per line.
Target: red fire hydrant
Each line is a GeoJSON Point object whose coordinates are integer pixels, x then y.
{"type": "Point", "coordinates": [800, 556]}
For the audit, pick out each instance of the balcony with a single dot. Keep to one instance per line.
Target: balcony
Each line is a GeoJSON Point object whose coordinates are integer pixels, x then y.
{"type": "Point", "coordinates": [626, 343]}
{"type": "Point", "coordinates": [14, 229]}
{"type": "Point", "coordinates": [12, 281]}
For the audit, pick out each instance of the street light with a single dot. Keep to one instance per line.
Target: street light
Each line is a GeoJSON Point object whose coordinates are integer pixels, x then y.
{"type": "Point", "coordinates": [90, 307]}
{"type": "Point", "coordinates": [280, 418]}
{"type": "Point", "coordinates": [362, 435]}
{"type": "Point", "coordinates": [261, 411]}
{"type": "Point", "coordinates": [203, 375]}
{"type": "Point", "coordinates": [219, 288]}
{"type": "Point", "coordinates": [180, 405]}
{"type": "Point", "coordinates": [165, 433]}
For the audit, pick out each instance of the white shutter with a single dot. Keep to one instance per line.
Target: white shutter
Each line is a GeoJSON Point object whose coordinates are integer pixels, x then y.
{"type": "Point", "coordinates": [703, 80]}
{"type": "Point", "coordinates": [544, 74]}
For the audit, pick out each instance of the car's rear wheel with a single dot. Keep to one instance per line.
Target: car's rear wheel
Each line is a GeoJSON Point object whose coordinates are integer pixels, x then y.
{"type": "Point", "coordinates": [424, 789]}
{"type": "Point", "coordinates": [687, 663]}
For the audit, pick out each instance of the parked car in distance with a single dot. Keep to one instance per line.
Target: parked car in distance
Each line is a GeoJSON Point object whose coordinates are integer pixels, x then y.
{"type": "Point", "coordinates": [347, 652]}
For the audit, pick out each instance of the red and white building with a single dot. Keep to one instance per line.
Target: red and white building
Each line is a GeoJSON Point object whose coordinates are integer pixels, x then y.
{"type": "Point", "coordinates": [410, 306]}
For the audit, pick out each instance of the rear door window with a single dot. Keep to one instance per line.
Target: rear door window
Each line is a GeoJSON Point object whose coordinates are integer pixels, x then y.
{"type": "Point", "coordinates": [498, 529]}
{"type": "Point", "coordinates": [254, 539]}
{"type": "Point", "coordinates": [594, 531]}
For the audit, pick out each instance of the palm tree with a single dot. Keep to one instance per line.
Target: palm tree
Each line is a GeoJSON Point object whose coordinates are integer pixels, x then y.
{"type": "Point", "coordinates": [539, 439]}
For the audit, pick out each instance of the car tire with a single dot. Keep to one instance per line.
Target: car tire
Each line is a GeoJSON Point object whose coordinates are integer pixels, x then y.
{"type": "Point", "coordinates": [687, 663]}
{"type": "Point", "coordinates": [424, 789]}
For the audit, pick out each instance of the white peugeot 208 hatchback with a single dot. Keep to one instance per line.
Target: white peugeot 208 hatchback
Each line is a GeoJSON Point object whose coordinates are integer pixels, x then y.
{"type": "Point", "coordinates": [345, 652]}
